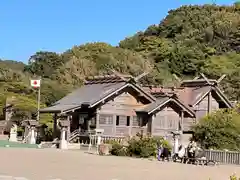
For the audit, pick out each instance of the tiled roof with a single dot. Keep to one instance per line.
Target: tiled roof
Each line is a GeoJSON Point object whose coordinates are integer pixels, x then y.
{"type": "Point", "coordinates": [95, 89]}
{"type": "Point", "coordinates": [151, 108]}
{"type": "Point", "coordinates": [153, 105]}
{"type": "Point", "coordinates": [189, 95]}
{"type": "Point", "coordinates": [87, 94]}
{"type": "Point", "coordinates": [57, 108]}
{"type": "Point", "coordinates": [190, 91]}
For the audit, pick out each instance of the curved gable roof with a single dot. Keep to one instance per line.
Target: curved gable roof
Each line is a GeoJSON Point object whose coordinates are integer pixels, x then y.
{"type": "Point", "coordinates": [160, 102]}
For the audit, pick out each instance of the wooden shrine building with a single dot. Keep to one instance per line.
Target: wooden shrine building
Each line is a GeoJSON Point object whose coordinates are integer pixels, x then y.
{"type": "Point", "coordinates": [121, 107]}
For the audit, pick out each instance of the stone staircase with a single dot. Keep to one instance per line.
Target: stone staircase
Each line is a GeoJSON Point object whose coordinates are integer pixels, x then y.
{"type": "Point", "coordinates": [52, 144]}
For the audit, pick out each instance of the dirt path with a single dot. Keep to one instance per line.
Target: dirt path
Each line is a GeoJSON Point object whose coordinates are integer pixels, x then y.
{"type": "Point", "coordinates": [46, 164]}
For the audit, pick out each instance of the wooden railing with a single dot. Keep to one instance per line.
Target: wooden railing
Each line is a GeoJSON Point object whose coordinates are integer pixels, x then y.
{"type": "Point", "coordinates": [104, 139]}
{"type": "Point", "coordinates": [223, 157]}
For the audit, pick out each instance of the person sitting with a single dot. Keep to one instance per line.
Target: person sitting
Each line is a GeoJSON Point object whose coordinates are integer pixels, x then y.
{"type": "Point", "coordinates": [192, 146]}
{"type": "Point", "coordinates": [191, 150]}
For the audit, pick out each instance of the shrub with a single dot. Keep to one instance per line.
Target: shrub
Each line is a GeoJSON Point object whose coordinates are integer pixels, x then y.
{"type": "Point", "coordinates": [219, 130]}
{"type": "Point", "coordinates": [139, 146]}
{"type": "Point", "coordinates": [146, 146]}
{"type": "Point", "coordinates": [119, 149]}
{"type": "Point", "coordinates": [234, 177]}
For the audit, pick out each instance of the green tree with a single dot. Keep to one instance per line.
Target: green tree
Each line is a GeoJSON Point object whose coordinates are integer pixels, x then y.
{"type": "Point", "coordinates": [44, 63]}
{"type": "Point", "coordinates": [219, 130]}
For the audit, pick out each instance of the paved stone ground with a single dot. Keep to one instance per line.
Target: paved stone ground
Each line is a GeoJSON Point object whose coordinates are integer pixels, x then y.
{"type": "Point", "coordinates": [47, 164]}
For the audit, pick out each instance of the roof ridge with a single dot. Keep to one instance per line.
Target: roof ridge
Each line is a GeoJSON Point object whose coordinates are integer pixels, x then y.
{"type": "Point", "coordinates": [100, 79]}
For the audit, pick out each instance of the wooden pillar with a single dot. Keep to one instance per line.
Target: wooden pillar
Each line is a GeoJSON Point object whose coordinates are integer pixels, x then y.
{"type": "Point", "coordinates": [149, 125]}
{"type": "Point", "coordinates": [209, 102]}
{"type": "Point", "coordinates": [181, 128]}
{"type": "Point", "coordinates": [68, 128]}
{"type": "Point", "coordinates": [152, 124]}
{"type": "Point", "coordinates": [86, 123]}
{"type": "Point", "coordinates": [97, 119]}
{"type": "Point", "coordinates": [54, 126]}
{"type": "Point", "coordinates": [130, 126]}
{"type": "Point", "coordinates": [114, 124]}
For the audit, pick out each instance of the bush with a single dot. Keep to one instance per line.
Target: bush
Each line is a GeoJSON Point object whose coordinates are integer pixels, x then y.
{"type": "Point", "coordinates": [234, 177]}
{"type": "Point", "coordinates": [119, 150]}
{"type": "Point", "coordinates": [139, 146]}
{"type": "Point", "coordinates": [219, 130]}
{"type": "Point", "coordinates": [145, 146]}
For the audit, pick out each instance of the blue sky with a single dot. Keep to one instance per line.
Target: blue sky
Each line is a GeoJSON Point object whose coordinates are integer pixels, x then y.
{"type": "Point", "coordinates": [28, 26]}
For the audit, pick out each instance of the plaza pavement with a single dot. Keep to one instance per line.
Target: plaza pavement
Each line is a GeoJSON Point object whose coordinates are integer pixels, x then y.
{"type": "Point", "coordinates": [52, 164]}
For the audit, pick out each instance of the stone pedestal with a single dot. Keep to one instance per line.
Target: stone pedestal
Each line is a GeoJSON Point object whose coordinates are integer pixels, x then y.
{"type": "Point", "coordinates": [13, 133]}
{"type": "Point", "coordinates": [99, 138]}
{"type": "Point", "coordinates": [176, 144]}
{"type": "Point", "coordinates": [32, 137]}
{"type": "Point", "coordinates": [63, 139]}
{"type": "Point", "coordinates": [99, 133]}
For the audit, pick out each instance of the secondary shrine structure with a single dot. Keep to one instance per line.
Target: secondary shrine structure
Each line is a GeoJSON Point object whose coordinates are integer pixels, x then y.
{"type": "Point", "coordinates": [120, 106]}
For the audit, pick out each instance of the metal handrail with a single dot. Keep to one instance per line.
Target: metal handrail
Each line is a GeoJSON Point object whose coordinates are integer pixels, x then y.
{"type": "Point", "coordinates": [74, 134]}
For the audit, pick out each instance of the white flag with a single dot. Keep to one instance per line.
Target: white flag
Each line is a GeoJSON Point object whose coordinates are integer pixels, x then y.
{"type": "Point", "coordinates": [36, 83]}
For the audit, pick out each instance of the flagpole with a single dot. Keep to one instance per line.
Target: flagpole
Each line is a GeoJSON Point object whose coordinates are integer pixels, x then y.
{"type": "Point", "coordinates": [39, 101]}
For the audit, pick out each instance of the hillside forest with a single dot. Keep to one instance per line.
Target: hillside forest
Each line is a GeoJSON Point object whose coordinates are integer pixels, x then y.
{"type": "Point", "coordinates": [188, 41]}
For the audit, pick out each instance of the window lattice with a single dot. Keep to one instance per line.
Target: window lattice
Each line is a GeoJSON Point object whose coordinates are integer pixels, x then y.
{"type": "Point", "coordinates": [105, 119]}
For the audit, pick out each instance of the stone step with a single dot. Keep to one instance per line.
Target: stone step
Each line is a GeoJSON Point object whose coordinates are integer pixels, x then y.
{"type": "Point", "coordinates": [48, 145]}
{"type": "Point", "coordinates": [73, 145]}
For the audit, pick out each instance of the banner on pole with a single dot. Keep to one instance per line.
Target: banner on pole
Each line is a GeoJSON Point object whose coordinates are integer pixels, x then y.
{"type": "Point", "coordinates": [36, 83]}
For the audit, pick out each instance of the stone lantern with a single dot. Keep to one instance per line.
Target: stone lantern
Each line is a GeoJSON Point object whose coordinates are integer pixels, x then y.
{"type": "Point", "coordinates": [64, 124]}
{"type": "Point", "coordinates": [30, 131]}
{"type": "Point", "coordinates": [99, 133]}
